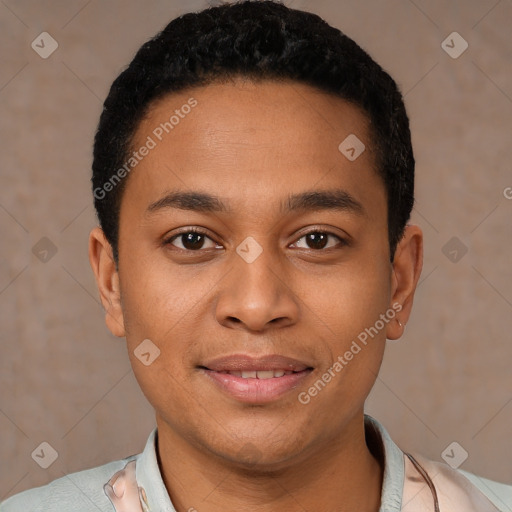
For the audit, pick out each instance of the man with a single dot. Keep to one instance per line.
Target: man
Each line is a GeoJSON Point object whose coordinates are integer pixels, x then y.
{"type": "Point", "coordinates": [253, 176]}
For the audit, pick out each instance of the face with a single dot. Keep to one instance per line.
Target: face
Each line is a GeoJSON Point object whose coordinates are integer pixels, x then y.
{"type": "Point", "coordinates": [254, 256]}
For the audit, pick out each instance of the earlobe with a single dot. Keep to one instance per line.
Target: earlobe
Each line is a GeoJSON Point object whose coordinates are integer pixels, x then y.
{"type": "Point", "coordinates": [406, 271]}
{"type": "Point", "coordinates": [107, 280]}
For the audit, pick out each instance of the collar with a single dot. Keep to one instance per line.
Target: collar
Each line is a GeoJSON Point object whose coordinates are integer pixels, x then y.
{"type": "Point", "coordinates": [383, 448]}
{"type": "Point", "coordinates": [154, 493]}
{"type": "Point", "coordinates": [150, 479]}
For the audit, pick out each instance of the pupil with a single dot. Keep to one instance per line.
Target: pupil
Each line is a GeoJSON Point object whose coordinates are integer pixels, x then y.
{"type": "Point", "coordinates": [318, 240]}
{"type": "Point", "coordinates": [192, 240]}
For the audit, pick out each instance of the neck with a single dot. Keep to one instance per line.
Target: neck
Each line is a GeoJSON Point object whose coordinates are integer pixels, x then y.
{"type": "Point", "coordinates": [340, 474]}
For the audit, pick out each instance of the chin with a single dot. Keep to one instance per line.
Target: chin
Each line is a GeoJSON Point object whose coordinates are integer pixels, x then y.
{"type": "Point", "coordinates": [262, 453]}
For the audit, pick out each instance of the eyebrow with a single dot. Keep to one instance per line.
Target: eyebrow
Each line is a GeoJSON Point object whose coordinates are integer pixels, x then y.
{"type": "Point", "coordinates": [312, 200]}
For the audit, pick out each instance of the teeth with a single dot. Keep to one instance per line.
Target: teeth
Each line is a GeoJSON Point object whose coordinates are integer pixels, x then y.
{"type": "Point", "coordinates": [260, 374]}
{"type": "Point", "coordinates": [265, 374]}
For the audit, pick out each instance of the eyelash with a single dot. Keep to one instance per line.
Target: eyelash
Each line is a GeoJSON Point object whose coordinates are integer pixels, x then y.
{"type": "Point", "coordinates": [168, 241]}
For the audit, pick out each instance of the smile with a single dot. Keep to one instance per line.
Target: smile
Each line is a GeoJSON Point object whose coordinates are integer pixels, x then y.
{"type": "Point", "coordinates": [259, 374]}
{"type": "Point", "coordinates": [256, 379]}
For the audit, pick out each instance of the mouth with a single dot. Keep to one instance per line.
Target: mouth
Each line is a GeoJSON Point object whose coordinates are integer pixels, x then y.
{"type": "Point", "coordinates": [256, 379]}
{"type": "Point", "coordinates": [258, 374]}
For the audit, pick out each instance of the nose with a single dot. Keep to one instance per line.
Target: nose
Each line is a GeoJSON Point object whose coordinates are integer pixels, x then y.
{"type": "Point", "coordinates": [257, 296]}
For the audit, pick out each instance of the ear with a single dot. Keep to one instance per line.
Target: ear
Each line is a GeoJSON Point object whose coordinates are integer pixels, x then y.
{"type": "Point", "coordinates": [107, 280]}
{"type": "Point", "coordinates": [407, 265]}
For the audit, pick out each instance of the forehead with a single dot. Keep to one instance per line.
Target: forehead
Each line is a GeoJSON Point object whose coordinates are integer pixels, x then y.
{"type": "Point", "coordinates": [254, 113]}
{"type": "Point", "coordinates": [252, 139]}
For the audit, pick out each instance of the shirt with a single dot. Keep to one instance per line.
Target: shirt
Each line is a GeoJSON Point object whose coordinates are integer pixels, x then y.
{"type": "Point", "coordinates": [410, 484]}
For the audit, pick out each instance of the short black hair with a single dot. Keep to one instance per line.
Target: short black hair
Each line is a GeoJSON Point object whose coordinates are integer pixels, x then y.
{"type": "Point", "coordinates": [256, 39]}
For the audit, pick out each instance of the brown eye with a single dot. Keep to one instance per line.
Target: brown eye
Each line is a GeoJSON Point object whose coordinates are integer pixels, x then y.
{"type": "Point", "coordinates": [191, 241]}
{"type": "Point", "coordinates": [318, 240]}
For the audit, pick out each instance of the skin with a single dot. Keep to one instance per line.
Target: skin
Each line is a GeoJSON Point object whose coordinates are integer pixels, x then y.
{"type": "Point", "coordinates": [252, 145]}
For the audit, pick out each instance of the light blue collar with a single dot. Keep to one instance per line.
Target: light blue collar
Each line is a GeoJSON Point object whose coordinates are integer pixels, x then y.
{"type": "Point", "coordinates": [149, 477]}
{"type": "Point", "coordinates": [394, 465]}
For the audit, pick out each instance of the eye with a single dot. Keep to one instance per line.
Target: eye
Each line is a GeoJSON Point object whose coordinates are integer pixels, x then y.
{"type": "Point", "coordinates": [318, 240]}
{"type": "Point", "coordinates": [191, 240]}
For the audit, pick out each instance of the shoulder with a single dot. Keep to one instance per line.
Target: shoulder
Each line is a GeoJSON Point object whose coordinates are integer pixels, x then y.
{"type": "Point", "coordinates": [498, 493]}
{"type": "Point", "coordinates": [413, 480]}
{"type": "Point", "coordinates": [458, 489]}
{"type": "Point", "coordinates": [76, 492]}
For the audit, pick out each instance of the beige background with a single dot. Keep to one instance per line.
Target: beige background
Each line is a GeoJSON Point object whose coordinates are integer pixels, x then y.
{"type": "Point", "coordinates": [66, 380]}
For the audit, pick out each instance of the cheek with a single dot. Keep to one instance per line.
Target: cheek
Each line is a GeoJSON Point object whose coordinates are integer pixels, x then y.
{"type": "Point", "coordinates": [157, 297]}
{"type": "Point", "coordinates": [352, 297]}
{"type": "Point", "coordinates": [169, 307]}
{"type": "Point", "coordinates": [350, 310]}
{"type": "Point", "coordinates": [159, 305]}
{"type": "Point", "coordinates": [350, 304]}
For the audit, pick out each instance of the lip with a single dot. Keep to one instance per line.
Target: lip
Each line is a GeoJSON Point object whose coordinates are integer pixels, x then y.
{"type": "Point", "coordinates": [253, 390]}
{"type": "Point", "coordinates": [245, 362]}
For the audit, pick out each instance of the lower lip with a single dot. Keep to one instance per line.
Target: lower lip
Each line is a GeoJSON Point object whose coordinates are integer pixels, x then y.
{"type": "Point", "coordinates": [256, 391]}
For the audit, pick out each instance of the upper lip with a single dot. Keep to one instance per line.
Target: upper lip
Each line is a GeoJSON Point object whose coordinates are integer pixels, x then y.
{"type": "Point", "coordinates": [245, 362]}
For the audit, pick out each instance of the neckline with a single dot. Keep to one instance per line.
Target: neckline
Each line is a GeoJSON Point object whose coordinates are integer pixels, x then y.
{"type": "Point", "coordinates": [380, 444]}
